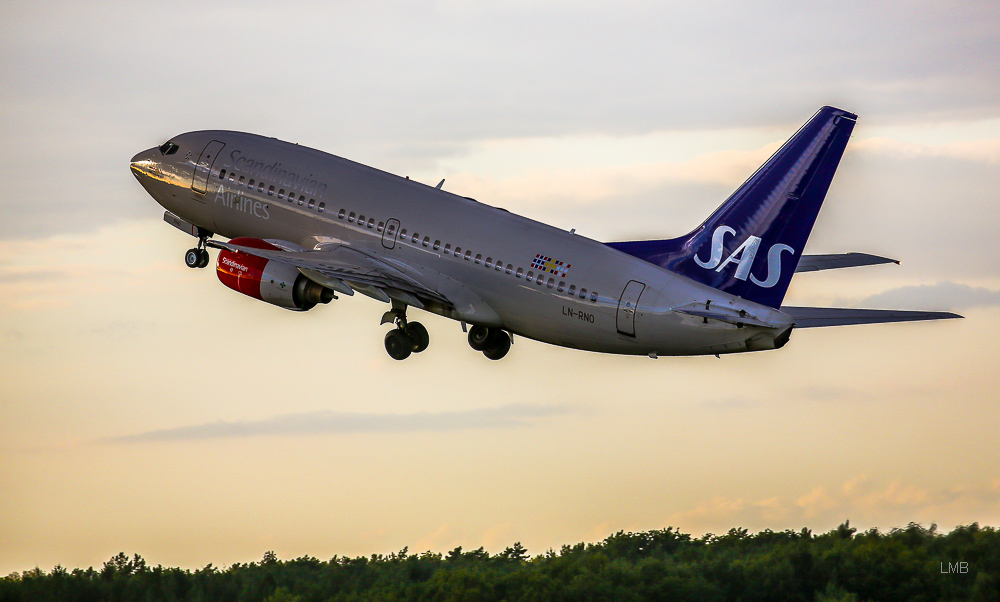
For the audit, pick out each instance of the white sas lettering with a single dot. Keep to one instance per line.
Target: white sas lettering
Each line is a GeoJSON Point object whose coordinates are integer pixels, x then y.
{"type": "Point", "coordinates": [743, 257]}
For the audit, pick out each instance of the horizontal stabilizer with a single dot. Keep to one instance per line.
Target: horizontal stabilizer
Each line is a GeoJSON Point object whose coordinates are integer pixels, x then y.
{"type": "Point", "coordinates": [814, 263]}
{"type": "Point", "coordinates": [813, 317]}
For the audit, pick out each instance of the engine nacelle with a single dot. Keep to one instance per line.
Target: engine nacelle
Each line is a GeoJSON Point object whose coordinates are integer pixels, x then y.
{"type": "Point", "coordinates": [271, 281]}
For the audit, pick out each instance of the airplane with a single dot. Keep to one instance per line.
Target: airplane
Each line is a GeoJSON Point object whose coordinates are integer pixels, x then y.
{"type": "Point", "coordinates": [304, 225]}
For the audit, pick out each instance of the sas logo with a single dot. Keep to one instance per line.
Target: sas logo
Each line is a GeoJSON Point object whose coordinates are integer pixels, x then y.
{"type": "Point", "coordinates": [743, 257]}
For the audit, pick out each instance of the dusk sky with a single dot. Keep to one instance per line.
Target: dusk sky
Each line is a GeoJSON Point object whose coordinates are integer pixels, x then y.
{"type": "Point", "coordinates": [146, 408]}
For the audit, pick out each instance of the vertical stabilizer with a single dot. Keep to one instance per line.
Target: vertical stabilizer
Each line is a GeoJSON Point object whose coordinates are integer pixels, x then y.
{"type": "Point", "coordinates": [751, 245]}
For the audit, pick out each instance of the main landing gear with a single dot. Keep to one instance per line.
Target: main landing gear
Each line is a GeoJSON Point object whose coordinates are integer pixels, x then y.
{"type": "Point", "coordinates": [407, 337]}
{"type": "Point", "coordinates": [493, 342]}
{"type": "Point", "coordinates": [198, 257]}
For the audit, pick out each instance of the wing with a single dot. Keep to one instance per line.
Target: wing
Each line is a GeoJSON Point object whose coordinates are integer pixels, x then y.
{"type": "Point", "coordinates": [813, 317]}
{"type": "Point", "coordinates": [814, 263]}
{"type": "Point", "coordinates": [345, 270]}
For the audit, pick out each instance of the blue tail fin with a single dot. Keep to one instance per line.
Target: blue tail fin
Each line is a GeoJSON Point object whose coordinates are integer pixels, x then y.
{"type": "Point", "coordinates": [751, 245]}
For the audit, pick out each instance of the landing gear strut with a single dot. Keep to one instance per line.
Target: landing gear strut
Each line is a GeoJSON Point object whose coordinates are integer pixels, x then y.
{"type": "Point", "coordinates": [493, 342]}
{"type": "Point", "coordinates": [407, 337]}
{"type": "Point", "coordinates": [198, 257]}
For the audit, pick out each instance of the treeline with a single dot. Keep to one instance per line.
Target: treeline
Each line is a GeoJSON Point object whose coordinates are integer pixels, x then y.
{"type": "Point", "coordinates": [911, 564]}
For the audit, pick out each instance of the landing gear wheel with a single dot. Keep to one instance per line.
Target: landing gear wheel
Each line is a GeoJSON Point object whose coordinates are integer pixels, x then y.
{"type": "Point", "coordinates": [193, 258]}
{"type": "Point", "coordinates": [398, 345]}
{"type": "Point", "coordinates": [498, 345]}
{"type": "Point", "coordinates": [205, 258]}
{"type": "Point", "coordinates": [418, 334]}
{"type": "Point", "coordinates": [479, 337]}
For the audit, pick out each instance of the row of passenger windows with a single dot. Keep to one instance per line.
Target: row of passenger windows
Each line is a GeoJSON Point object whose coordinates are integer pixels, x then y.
{"type": "Point", "coordinates": [271, 192]}
{"type": "Point", "coordinates": [499, 266]}
{"type": "Point", "coordinates": [415, 239]}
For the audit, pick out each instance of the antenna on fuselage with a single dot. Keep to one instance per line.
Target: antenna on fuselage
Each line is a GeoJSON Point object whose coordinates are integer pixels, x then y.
{"type": "Point", "coordinates": [440, 184]}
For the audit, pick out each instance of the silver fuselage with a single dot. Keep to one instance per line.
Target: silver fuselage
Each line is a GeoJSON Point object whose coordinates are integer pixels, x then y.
{"type": "Point", "coordinates": [315, 195]}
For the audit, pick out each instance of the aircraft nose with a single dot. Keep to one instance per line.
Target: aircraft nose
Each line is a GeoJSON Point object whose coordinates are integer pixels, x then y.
{"type": "Point", "coordinates": [141, 162]}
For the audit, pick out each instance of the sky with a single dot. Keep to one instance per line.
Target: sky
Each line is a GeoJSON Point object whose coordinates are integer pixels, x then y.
{"type": "Point", "coordinates": [146, 408]}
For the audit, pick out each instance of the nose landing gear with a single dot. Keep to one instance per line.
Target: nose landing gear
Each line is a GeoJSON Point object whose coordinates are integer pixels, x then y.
{"type": "Point", "coordinates": [493, 342]}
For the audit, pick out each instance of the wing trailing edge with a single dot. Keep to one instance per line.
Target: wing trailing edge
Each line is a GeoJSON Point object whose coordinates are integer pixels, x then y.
{"type": "Point", "coordinates": [815, 317]}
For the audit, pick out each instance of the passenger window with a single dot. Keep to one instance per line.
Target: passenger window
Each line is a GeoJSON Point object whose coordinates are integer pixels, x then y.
{"type": "Point", "coordinates": [468, 255]}
{"type": "Point", "coordinates": [531, 275]}
{"type": "Point", "coordinates": [489, 262]}
{"type": "Point", "coordinates": [551, 282]}
{"type": "Point", "coordinates": [222, 175]}
{"type": "Point", "coordinates": [447, 249]}
{"type": "Point", "coordinates": [351, 217]}
{"type": "Point", "coordinates": [518, 274]}
{"type": "Point", "coordinates": [415, 237]}
{"type": "Point", "coordinates": [241, 181]}
{"type": "Point", "coordinates": [458, 251]}
{"type": "Point", "coordinates": [250, 183]}
{"type": "Point", "coordinates": [371, 222]}
{"type": "Point", "coordinates": [270, 191]}
{"type": "Point", "coordinates": [572, 290]}
{"type": "Point", "coordinates": [232, 176]}
{"type": "Point", "coordinates": [260, 187]}
{"type": "Point", "coordinates": [322, 207]}
{"type": "Point", "coordinates": [540, 279]}
{"type": "Point", "coordinates": [312, 203]}
{"type": "Point", "coordinates": [437, 245]}
{"type": "Point", "coordinates": [402, 234]}
{"type": "Point", "coordinates": [381, 226]}
{"type": "Point", "coordinates": [583, 293]}
{"type": "Point", "coordinates": [427, 240]}
{"type": "Point", "coordinates": [561, 287]}
{"type": "Point", "coordinates": [361, 220]}
{"type": "Point", "coordinates": [281, 193]}
{"type": "Point", "coordinates": [391, 229]}
{"type": "Point", "coordinates": [593, 297]}
{"type": "Point", "coordinates": [339, 215]}
{"type": "Point", "coordinates": [479, 258]}
{"type": "Point", "coordinates": [302, 199]}
{"type": "Point", "coordinates": [499, 267]}
{"type": "Point", "coordinates": [509, 268]}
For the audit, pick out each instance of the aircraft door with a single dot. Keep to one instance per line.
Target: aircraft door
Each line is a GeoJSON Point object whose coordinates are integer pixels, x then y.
{"type": "Point", "coordinates": [627, 306]}
{"type": "Point", "coordinates": [390, 233]}
{"type": "Point", "coordinates": [203, 167]}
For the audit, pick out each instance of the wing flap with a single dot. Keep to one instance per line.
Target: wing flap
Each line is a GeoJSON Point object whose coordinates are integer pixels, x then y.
{"type": "Point", "coordinates": [832, 261]}
{"type": "Point", "coordinates": [815, 317]}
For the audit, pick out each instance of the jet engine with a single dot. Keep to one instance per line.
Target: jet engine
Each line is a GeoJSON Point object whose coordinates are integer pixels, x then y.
{"type": "Point", "coordinates": [271, 281]}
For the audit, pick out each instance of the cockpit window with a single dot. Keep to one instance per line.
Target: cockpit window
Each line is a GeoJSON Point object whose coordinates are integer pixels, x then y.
{"type": "Point", "coordinates": [168, 148]}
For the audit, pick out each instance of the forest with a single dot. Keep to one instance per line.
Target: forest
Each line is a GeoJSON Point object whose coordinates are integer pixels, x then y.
{"type": "Point", "coordinates": [909, 564]}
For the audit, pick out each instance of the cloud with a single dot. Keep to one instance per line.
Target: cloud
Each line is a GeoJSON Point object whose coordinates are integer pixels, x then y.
{"type": "Point", "coordinates": [326, 423]}
{"type": "Point", "coordinates": [859, 499]}
{"type": "Point", "coordinates": [943, 295]}
{"type": "Point", "coordinates": [426, 80]}
{"type": "Point", "coordinates": [986, 150]}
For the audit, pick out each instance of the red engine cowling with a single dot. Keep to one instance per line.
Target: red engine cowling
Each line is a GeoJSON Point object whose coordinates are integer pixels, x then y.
{"type": "Point", "coordinates": [271, 281]}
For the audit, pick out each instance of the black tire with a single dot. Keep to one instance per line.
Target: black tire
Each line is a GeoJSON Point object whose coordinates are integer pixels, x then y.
{"type": "Point", "coordinates": [205, 258]}
{"type": "Point", "coordinates": [398, 345]}
{"type": "Point", "coordinates": [499, 345]}
{"type": "Point", "coordinates": [479, 337]}
{"type": "Point", "coordinates": [418, 334]}
{"type": "Point", "coordinates": [192, 258]}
